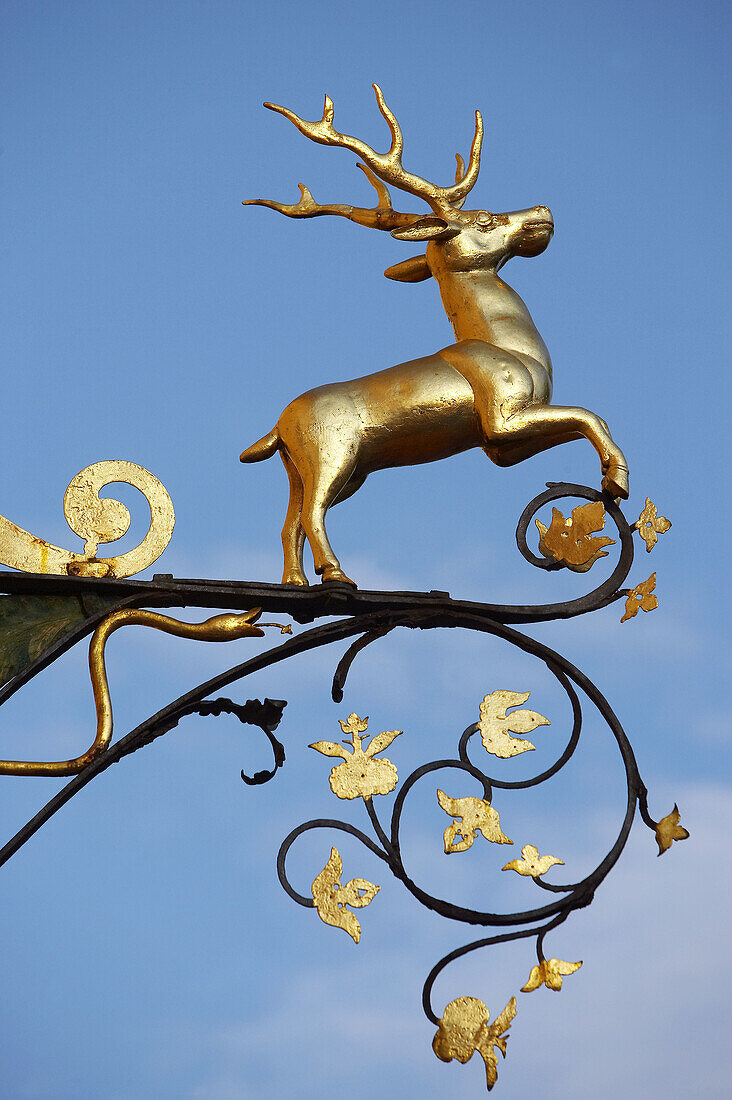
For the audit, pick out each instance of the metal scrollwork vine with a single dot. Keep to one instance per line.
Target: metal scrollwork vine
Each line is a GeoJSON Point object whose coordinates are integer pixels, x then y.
{"type": "Point", "coordinates": [361, 770]}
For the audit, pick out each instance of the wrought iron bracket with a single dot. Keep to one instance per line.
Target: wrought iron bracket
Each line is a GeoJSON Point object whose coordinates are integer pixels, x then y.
{"type": "Point", "coordinates": [76, 606]}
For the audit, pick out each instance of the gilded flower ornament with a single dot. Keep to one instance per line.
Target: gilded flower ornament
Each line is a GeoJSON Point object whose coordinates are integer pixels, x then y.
{"type": "Point", "coordinates": [641, 598]}
{"type": "Point", "coordinates": [360, 776]}
{"type": "Point", "coordinates": [668, 830]}
{"type": "Point", "coordinates": [478, 816]}
{"type": "Point", "coordinates": [550, 973]}
{"type": "Point", "coordinates": [650, 525]}
{"type": "Point", "coordinates": [464, 1028]}
{"type": "Point", "coordinates": [532, 864]}
{"type": "Point", "coordinates": [331, 898]}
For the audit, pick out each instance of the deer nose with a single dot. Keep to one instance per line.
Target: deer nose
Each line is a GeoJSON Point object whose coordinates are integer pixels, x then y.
{"type": "Point", "coordinates": [543, 213]}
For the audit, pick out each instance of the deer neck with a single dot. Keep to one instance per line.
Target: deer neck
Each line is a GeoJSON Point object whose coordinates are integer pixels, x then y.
{"type": "Point", "coordinates": [481, 306]}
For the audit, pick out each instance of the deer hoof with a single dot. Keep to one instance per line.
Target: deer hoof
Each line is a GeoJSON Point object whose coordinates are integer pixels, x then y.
{"type": "Point", "coordinates": [296, 578]}
{"type": "Point", "coordinates": [330, 573]}
{"type": "Point", "coordinates": [615, 481]}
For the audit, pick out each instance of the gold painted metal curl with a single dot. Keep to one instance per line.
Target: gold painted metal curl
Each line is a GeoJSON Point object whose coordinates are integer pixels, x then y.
{"type": "Point", "coordinates": [219, 628]}
{"type": "Point", "coordinates": [95, 519]}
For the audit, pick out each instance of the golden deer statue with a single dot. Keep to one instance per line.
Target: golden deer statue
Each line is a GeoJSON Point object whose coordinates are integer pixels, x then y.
{"type": "Point", "coordinates": [492, 388]}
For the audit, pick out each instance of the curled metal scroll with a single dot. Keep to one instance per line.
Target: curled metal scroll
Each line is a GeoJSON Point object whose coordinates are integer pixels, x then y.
{"type": "Point", "coordinates": [95, 519]}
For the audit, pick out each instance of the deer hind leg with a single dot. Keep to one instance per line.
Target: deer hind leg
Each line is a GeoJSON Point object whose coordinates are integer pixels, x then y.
{"type": "Point", "coordinates": [321, 487]}
{"type": "Point", "coordinates": [537, 427]}
{"type": "Point", "coordinates": [293, 534]}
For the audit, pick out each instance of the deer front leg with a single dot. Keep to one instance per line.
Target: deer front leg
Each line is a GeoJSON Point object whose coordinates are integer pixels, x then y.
{"type": "Point", "coordinates": [541, 426]}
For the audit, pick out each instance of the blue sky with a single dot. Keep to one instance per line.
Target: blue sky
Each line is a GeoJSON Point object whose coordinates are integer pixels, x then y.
{"type": "Point", "coordinates": [149, 949]}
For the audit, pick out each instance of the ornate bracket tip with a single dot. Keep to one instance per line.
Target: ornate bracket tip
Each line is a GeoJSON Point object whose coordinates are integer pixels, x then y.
{"type": "Point", "coordinates": [95, 519]}
{"type": "Point", "coordinates": [650, 525]}
{"type": "Point", "coordinates": [570, 541]}
{"type": "Point", "coordinates": [464, 1029]}
{"type": "Point", "coordinates": [668, 830]}
{"type": "Point", "coordinates": [331, 898]}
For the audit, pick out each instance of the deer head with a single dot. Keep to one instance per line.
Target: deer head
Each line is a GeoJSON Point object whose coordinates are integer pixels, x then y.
{"type": "Point", "coordinates": [457, 239]}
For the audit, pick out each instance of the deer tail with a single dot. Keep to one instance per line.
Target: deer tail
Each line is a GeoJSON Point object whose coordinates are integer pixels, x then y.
{"type": "Point", "coordinates": [263, 448]}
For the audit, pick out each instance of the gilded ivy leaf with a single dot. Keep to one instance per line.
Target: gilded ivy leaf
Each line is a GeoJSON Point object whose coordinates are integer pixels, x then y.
{"type": "Point", "coordinates": [331, 898]}
{"type": "Point", "coordinates": [668, 830]}
{"type": "Point", "coordinates": [360, 776]}
{"type": "Point", "coordinates": [29, 625]}
{"type": "Point", "coordinates": [650, 525]}
{"type": "Point", "coordinates": [641, 598]}
{"type": "Point", "coordinates": [550, 973]}
{"type": "Point", "coordinates": [532, 864]}
{"type": "Point", "coordinates": [464, 1028]}
{"type": "Point", "coordinates": [477, 816]}
{"type": "Point", "coordinates": [381, 742]}
{"type": "Point", "coordinates": [330, 748]}
{"type": "Point", "coordinates": [495, 723]}
{"type": "Point", "coordinates": [570, 541]}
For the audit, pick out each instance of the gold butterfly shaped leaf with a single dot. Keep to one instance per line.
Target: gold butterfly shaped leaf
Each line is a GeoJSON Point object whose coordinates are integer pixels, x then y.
{"type": "Point", "coordinates": [495, 723]}
{"type": "Point", "coordinates": [571, 541]}
{"type": "Point", "coordinates": [360, 776]}
{"type": "Point", "coordinates": [550, 973]}
{"type": "Point", "coordinates": [668, 830]}
{"type": "Point", "coordinates": [532, 864]}
{"type": "Point", "coordinates": [464, 1028]}
{"type": "Point", "coordinates": [477, 816]}
{"type": "Point", "coordinates": [331, 898]}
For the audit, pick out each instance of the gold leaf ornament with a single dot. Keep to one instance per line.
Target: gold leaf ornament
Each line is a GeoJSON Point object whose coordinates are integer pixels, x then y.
{"type": "Point", "coordinates": [331, 898]}
{"type": "Point", "coordinates": [532, 864]}
{"type": "Point", "coordinates": [571, 541]}
{"type": "Point", "coordinates": [360, 776]}
{"type": "Point", "coordinates": [668, 830]}
{"type": "Point", "coordinates": [641, 598]}
{"type": "Point", "coordinates": [650, 525]}
{"type": "Point", "coordinates": [478, 816]}
{"type": "Point", "coordinates": [464, 1028]}
{"type": "Point", "coordinates": [495, 723]}
{"type": "Point", "coordinates": [550, 973]}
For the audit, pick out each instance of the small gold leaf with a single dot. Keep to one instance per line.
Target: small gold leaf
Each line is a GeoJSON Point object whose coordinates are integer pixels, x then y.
{"type": "Point", "coordinates": [330, 748]}
{"type": "Point", "coordinates": [532, 864]}
{"type": "Point", "coordinates": [495, 723]}
{"type": "Point", "coordinates": [550, 973]}
{"type": "Point", "coordinates": [641, 598]}
{"type": "Point", "coordinates": [650, 525]}
{"type": "Point", "coordinates": [331, 898]}
{"type": "Point", "coordinates": [668, 830]}
{"type": "Point", "coordinates": [464, 1028]}
{"type": "Point", "coordinates": [477, 816]}
{"type": "Point", "coordinates": [570, 541]}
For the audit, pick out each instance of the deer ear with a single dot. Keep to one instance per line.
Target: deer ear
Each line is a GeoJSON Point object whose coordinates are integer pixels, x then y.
{"type": "Point", "coordinates": [414, 270]}
{"type": "Point", "coordinates": [426, 229]}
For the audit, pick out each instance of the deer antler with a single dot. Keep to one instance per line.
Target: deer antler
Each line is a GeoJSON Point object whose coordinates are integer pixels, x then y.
{"type": "Point", "coordinates": [386, 166]}
{"type": "Point", "coordinates": [381, 216]}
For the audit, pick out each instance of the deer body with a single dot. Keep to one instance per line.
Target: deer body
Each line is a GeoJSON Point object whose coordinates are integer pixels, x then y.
{"type": "Point", "coordinates": [489, 389]}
